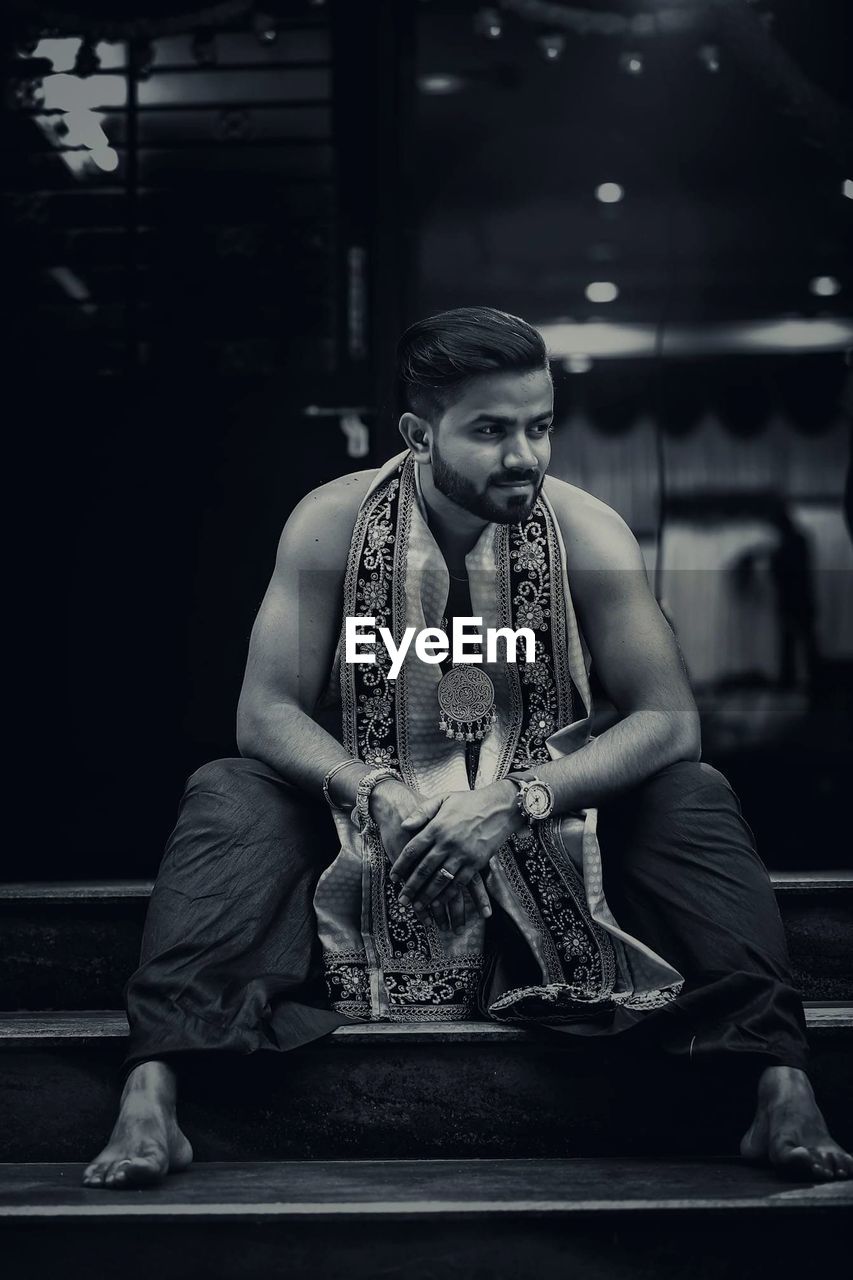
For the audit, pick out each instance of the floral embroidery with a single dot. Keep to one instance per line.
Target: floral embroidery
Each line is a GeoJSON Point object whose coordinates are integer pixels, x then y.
{"type": "Point", "coordinates": [530, 613]}
{"type": "Point", "coordinates": [372, 594]}
{"type": "Point", "coordinates": [529, 553]}
{"type": "Point", "coordinates": [346, 981]}
{"type": "Point", "coordinates": [441, 987]}
{"type": "Point", "coordinates": [532, 586]}
{"type": "Point", "coordinates": [403, 971]}
{"type": "Point", "coordinates": [374, 692]}
{"type": "Point", "coordinates": [406, 934]}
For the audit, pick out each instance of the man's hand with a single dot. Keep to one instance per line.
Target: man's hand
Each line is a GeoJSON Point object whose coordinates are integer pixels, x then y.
{"type": "Point", "coordinates": [462, 836]}
{"type": "Point", "coordinates": [398, 813]}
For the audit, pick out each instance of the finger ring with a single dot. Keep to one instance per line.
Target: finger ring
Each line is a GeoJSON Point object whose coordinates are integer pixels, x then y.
{"type": "Point", "coordinates": [448, 875]}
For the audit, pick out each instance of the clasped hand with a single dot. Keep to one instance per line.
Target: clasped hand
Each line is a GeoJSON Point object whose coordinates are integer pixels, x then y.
{"type": "Point", "coordinates": [459, 832]}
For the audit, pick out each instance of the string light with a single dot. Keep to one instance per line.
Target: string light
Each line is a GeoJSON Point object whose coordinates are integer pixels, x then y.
{"type": "Point", "coordinates": [552, 45]}
{"type": "Point", "coordinates": [609, 192]}
{"type": "Point", "coordinates": [824, 286]}
{"type": "Point", "coordinates": [601, 291]}
{"type": "Point", "coordinates": [489, 24]}
{"type": "Point", "coordinates": [632, 63]}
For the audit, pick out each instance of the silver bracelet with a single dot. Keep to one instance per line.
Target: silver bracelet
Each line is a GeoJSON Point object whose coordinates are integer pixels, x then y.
{"type": "Point", "coordinates": [361, 812]}
{"type": "Point", "coordinates": [342, 808]}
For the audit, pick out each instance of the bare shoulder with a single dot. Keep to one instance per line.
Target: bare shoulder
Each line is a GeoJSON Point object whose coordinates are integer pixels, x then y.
{"type": "Point", "coordinates": [595, 535]}
{"type": "Point", "coordinates": [319, 530]}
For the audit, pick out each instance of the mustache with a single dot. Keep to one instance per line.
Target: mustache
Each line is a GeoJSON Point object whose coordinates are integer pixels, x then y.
{"type": "Point", "coordinates": [516, 477]}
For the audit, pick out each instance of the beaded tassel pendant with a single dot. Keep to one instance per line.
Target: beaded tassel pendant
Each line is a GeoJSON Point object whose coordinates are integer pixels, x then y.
{"type": "Point", "coordinates": [466, 701]}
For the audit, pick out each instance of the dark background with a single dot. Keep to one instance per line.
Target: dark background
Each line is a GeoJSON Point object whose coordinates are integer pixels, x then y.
{"type": "Point", "coordinates": [293, 183]}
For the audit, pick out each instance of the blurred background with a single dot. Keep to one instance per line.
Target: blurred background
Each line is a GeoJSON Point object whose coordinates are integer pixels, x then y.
{"type": "Point", "coordinates": [217, 220]}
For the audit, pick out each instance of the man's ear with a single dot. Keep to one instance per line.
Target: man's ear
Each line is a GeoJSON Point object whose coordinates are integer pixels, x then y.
{"type": "Point", "coordinates": [416, 432]}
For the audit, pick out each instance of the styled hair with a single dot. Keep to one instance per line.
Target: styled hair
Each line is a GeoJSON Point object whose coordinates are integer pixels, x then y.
{"type": "Point", "coordinates": [437, 356]}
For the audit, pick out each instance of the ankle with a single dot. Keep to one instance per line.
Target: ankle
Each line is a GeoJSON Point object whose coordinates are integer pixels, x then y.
{"type": "Point", "coordinates": [778, 1083]}
{"type": "Point", "coordinates": [154, 1080]}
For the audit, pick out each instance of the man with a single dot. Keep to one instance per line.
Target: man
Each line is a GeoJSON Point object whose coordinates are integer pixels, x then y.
{"type": "Point", "coordinates": [470, 872]}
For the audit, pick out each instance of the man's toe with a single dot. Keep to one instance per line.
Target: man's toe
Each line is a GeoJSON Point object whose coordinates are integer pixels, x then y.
{"type": "Point", "coordinates": [136, 1171]}
{"type": "Point", "coordinates": [801, 1164]}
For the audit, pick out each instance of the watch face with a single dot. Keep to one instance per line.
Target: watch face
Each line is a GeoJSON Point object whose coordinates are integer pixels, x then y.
{"type": "Point", "coordinates": [537, 800]}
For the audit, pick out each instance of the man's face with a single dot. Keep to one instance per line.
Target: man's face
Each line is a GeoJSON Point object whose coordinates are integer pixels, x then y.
{"type": "Point", "coordinates": [491, 448]}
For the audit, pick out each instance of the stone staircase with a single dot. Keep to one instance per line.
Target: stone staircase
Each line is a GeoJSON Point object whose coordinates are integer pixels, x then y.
{"type": "Point", "coordinates": [473, 1149]}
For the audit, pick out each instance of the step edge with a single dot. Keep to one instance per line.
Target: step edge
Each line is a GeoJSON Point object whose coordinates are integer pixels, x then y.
{"type": "Point", "coordinates": [83, 891]}
{"type": "Point", "coordinates": [444, 1209]}
{"type": "Point", "coordinates": [22, 1029]}
{"type": "Point", "coordinates": [77, 891]}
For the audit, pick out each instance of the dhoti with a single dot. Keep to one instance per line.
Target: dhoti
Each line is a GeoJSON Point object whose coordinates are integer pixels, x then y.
{"type": "Point", "coordinates": [231, 959]}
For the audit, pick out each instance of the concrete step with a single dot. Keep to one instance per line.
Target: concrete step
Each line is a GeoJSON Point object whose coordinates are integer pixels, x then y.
{"type": "Point", "coordinates": [73, 946]}
{"type": "Point", "coordinates": [381, 1091]}
{"type": "Point", "coordinates": [609, 1219]}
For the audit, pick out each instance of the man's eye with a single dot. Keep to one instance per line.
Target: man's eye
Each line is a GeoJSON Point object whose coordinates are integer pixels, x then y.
{"type": "Point", "coordinates": [543, 428]}
{"type": "Point", "coordinates": [491, 429]}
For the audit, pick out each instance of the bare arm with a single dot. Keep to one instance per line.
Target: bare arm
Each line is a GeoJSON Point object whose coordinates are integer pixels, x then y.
{"type": "Point", "coordinates": [642, 673]}
{"type": "Point", "coordinates": [293, 643]}
{"type": "Point", "coordinates": [633, 650]}
{"type": "Point", "coordinates": [290, 655]}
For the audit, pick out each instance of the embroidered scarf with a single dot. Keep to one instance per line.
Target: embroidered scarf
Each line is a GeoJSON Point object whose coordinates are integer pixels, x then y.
{"type": "Point", "coordinates": [559, 954]}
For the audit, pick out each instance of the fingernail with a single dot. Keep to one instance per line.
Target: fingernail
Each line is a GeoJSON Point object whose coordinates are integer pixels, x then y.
{"type": "Point", "coordinates": [488, 912]}
{"type": "Point", "coordinates": [405, 900]}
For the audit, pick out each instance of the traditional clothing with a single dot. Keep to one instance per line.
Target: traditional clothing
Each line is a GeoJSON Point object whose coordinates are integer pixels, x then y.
{"type": "Point", "coordinates": [233, 959]}
{"type": "Point", "coordinates": [571, 959]}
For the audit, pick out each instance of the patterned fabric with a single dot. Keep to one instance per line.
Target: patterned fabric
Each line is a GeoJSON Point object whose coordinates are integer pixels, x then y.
{"type": "Point", "coordinates": [569, 956]}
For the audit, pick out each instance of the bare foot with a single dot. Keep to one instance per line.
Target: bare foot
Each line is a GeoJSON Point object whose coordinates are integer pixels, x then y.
{"type": "Point", "coordinates": [790, 1133]}
{"type": "Point", "coordinates": [146, 1142]}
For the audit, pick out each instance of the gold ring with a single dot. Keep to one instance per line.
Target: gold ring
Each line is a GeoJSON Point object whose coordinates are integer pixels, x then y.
{"type": "Point", "coordinates": [448, 875]}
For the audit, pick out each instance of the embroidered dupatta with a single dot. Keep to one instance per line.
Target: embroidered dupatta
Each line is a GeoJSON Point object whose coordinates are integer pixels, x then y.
{"type": "Point", "coordinates": [560, 955]}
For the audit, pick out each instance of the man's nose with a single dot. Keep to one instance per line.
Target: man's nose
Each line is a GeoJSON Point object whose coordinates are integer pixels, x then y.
{"type": "Point", "coordinates": [519, 455]}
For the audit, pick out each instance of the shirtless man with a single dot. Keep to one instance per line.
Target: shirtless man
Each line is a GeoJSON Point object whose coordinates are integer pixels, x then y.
{"type": "Point", "coordinates": [477, 410]}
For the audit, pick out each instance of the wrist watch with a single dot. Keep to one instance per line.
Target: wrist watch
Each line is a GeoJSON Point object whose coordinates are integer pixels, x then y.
{"type": "Point", "coordinates": [535, 799]}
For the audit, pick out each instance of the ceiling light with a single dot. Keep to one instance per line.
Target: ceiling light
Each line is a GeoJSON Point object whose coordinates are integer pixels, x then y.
{"type": "Point", "coordinates": [488, 23]}
{"type": "Point", "coordinates": [824, 286]}
{"type": "Point", "coordinates": [847, 188]}
{"type": "Point", "coordinates": [609, 192]}
{"type": "Point", "coordinates": [631, 63]}
{"type": "Point", "coordinates": [578, 363]}
{"type": "Point", "coordinates": [601, 291]}
{"type": "Point", "coordinates": [440, 83]}
{"type": "Point", "coordinates": [552, 46]}
{"type": "Point", "coordinates": [264, 27]}
{"type": "Point", "coordinates": [607, 340]}
{"type": "Point", "coordinates": [709, 56]}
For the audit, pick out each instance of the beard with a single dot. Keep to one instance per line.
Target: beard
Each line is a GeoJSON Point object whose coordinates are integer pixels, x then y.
{"type": "Point", "coordinates": [507, 508]}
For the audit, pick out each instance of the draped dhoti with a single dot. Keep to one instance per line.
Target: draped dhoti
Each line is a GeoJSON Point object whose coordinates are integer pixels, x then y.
{"type": "Point", "coordinates": [231, 960]}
